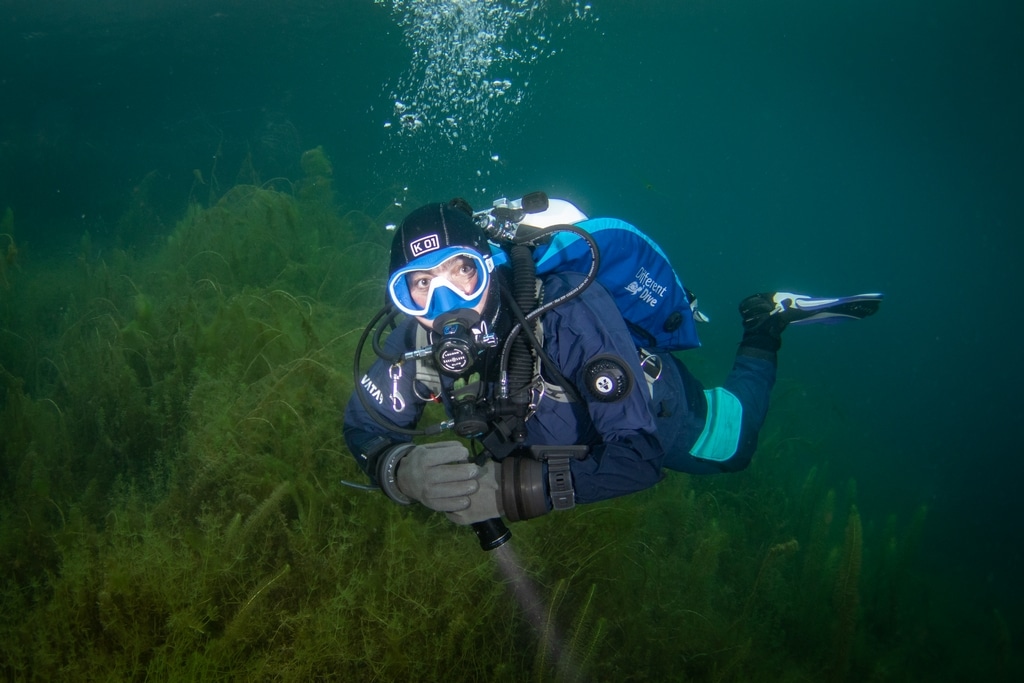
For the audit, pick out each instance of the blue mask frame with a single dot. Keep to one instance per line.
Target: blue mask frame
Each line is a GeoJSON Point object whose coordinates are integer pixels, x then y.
{"type": "Point", "coordinates": [443, 295]}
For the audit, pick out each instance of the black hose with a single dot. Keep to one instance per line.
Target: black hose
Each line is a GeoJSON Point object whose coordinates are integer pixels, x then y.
{"type": "Point", "coordinates": [391, 313]}
{"type": "Point", "coordinates": [595, 265]}
{"type": "Point", "coordinates": [520, 360]}
{"type": "Point", "coordinates": [531, 238]}
{"type": "Point", "coordinates": [546, 361]}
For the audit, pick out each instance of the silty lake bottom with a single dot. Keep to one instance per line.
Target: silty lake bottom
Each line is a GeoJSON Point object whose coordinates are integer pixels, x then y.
{"type": "Point", "coordinates": [194, 199]}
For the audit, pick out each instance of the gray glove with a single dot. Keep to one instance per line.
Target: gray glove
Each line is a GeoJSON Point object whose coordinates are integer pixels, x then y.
{"type": "Point", "coordinates": [438, 475]}
{"type": "Point", "coordinates": [485, 501]}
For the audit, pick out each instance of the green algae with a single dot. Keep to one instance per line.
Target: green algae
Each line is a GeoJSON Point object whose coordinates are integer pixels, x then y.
{"type": "Point", "coordinates": [171, 509]}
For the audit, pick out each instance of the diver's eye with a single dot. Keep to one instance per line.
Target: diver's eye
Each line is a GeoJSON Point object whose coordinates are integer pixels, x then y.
{"type": "Point", "coordinates": [464, 270]}
{"type": "Point", "coordinates": [421, 283]}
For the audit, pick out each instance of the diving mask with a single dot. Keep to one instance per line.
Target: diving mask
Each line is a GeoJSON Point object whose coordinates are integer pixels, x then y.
{"type": "Point", "coordinates": [441, 281]}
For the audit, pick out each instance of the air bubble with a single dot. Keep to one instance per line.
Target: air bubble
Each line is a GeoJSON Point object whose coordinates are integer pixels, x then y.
{"type": "Point", "coordinates": [461, 53]}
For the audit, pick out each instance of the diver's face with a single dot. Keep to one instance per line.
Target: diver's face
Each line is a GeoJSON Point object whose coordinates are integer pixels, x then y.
{"type": "Point", "coordinates": [458, 272]}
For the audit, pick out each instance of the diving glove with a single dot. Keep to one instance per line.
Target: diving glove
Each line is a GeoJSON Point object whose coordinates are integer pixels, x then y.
{"type": "Point", "coordinates": [438, 475]}
{"type": "Point", "coordinates": [485, 502]}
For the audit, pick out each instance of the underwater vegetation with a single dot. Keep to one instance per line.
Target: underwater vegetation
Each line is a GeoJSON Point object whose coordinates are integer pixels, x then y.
{"type": "Point", "coordinates": [170, 505]}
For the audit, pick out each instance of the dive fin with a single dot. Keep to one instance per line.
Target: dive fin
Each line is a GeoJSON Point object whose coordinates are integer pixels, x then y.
{"type": "Point", "coordinates": [800, 309]}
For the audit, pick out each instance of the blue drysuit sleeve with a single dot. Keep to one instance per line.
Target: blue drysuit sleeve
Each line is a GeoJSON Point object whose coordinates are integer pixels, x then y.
{"type": "Point", "coordinates": [387, 392]}
{"type": "Point", "coordinates": [625, 453]}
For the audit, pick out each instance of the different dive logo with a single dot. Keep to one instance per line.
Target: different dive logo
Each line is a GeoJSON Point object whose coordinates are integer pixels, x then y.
{"type": "Point", "coordinates": [646, 288]}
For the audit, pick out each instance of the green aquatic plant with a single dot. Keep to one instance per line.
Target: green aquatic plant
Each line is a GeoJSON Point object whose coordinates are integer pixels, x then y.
{"type": "Point", "coordinates": [569, 659]}
{"type": "Point", "coordinates": [9, 258]}
{"type": "Point", "coordinates": [9, 254]}
{"type": "Point", "coordinates": [892, 574]}
{"type": "Point", "coordinates": [7, 223]}
{"type": "Point", "coordinates": [315, 188]}
{"type": "Point", "coordinates": [846, 596]}
{"type": "Point", "coordinates": [141, 218]}
{"type": "Point", "coordinates": [171, 509]}
{"type": "Point", "coordinates": [771, 556]}
{"type": "Point", "coordinates": [815, 565]}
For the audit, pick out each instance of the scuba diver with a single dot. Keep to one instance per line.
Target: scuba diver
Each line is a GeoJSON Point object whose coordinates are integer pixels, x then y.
{"type": "Point", "coordinates": [565, 394]}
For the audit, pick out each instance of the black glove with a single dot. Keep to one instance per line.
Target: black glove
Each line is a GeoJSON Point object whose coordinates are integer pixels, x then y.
{"type": "Point", "coordinates": [761, 329]}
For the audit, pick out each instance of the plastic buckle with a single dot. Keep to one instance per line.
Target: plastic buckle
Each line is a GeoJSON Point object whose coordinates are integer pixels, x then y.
{"type": "Point", "coordinates": [563, 497]}
{"type": "Point", "coordinates": [560, 489]}
{"type": "Point", "coordinates": [651, 364]}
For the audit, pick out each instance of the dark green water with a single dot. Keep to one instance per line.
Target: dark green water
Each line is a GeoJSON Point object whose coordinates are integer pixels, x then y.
{"type": "Point", "coordinates": [827, 147]}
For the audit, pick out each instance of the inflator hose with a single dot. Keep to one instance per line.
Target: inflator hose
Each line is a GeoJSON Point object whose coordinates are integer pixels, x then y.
{"type": "Point", "coordinates": [520, 362]}
{"type": "Point", "coordinates": [525, 276]}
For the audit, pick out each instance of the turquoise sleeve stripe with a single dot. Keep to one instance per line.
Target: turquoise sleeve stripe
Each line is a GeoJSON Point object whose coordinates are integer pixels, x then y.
{"type": "Point", "coordinates": [721, 436]}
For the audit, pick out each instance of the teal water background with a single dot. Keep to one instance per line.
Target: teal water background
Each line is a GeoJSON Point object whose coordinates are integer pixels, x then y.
{"type": "Point", "coordinates": [823, 147]}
